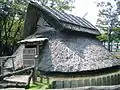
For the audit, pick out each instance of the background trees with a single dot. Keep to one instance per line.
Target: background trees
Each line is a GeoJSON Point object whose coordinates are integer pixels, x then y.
{"type": "Point", "coordinates": [12, 16]}
{"type": "Point", "coordinates": [58, 4]}
{"type": "Point", "coordinates": [109, 21]}
{"type": "Point", "coordinates": [11, 26]}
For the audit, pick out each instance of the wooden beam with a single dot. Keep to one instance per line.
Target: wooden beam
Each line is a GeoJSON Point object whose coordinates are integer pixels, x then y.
{"type": "Point", "coordinates": [16, 72]}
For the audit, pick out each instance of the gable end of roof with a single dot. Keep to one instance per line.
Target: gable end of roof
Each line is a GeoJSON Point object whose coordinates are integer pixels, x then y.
{"type": "Point", "coordinates": [60, 20]}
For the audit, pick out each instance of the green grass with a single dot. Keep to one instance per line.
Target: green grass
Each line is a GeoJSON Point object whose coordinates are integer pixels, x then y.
{"type": "Point", "coordinates": [40, 86]}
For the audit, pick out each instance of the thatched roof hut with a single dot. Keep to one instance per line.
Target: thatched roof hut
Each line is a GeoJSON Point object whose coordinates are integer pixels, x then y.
{"type": "Point", "coordinates": [72, 45]}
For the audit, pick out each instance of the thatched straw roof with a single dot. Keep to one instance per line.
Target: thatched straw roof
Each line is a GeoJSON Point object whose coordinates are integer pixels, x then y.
{"type": "Point", "coordinates": [63, 53]}
{"type": "Point", "coordinates": [73, 51]}
{"type": "Point", "coordinates": [58, 19]}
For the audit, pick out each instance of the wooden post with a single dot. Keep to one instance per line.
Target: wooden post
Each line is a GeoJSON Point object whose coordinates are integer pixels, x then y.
{"type": "Point", "coordinates": [13, 64]}
{"type": "Point", "coordinates": [36, 63]}
{"type": "Point", "coordinates": [35, 71]}
{"type": "Point", "coordinates": [1, 67]}
{"type": "Point", "coordinates": [34, 78]}
{"type": "Point", "coordinates": [109, 38]}
{"type": "Point", "coordinates": [47, 80]}
{"type": "Point", "coordinates": [41, 79]}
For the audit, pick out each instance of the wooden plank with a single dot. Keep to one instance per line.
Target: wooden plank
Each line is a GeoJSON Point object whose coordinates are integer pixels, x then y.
{"type": "Point", "coordinates": [80, 83]}
{"type": "Point", "coordinates": [13, 64]}
{"type": "Point", "coordinates": [16, 72]}
{"type": "Point", "coordinates": [99, 81]}
{"type": "Point", "coordinates": [87, 82]}
{"type": "Point", "coordinates": [113, 80]}
{"type": "Point", "coordinates": [112, 87]}
{"type": "Point", "coordinates": [29, 56]}
{"type": "Point", "coordinates": [18, 78]}
{"type": "Point", "coordinates": [29, 62]}
{"type": "Point", "coordinates": [108, 80]}
{"type": "Point", "coordinates": [30, 51]}
{"type": "Point", "coordinates": [119, 78]}
{"type": "Point", "coordinates": [57, 84]}
{"type": "Point", "coordinates": [116, 79]}
{"type": "Point", "coordinates": [5, 57]}
{"type": "Point", "coordinates": [67, 84]}
{"type": "Point", "coordinates": [74, 83]}
{"type": "Point", "coordinates": [104, 80]}
{"type": "Point", "coordinates": [93, 82]}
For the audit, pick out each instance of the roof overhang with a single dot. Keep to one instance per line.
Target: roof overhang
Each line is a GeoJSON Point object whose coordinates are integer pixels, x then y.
{"type": "Point", "coordinates": [81, 29]}
{"type": "Point", "coordinates": [33, 40]}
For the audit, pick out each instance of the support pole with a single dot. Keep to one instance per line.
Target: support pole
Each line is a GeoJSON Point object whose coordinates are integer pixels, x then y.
{"type": "Point", "coordinates": [34, 76]}
{"type": "Point", "coordinates": [13, 64]}
{"type": "Point", "coordinates": [35, 70]}
{"type": "Point", "coordinates": [109, 35]}
{"type": "Point", "coordinates": [109, 38]}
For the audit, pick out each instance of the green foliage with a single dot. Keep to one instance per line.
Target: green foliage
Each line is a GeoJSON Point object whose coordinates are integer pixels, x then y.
{"type": "Point", "coordinates": [116, 34]}
{"type": "Point", "coordinates": [59, 4]}
{"type": "Point", "coordinates": [102, 37]}
{"type": "Point", "coordinates": [63, 4]}
{"type": "Point", "coordinates": [11, 26]}
{"type": "Point", "coordinates": [108, 20]}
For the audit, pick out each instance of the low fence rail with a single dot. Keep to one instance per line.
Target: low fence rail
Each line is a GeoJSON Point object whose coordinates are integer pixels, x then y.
{"type": "Point", "coordinates": [113, 87]}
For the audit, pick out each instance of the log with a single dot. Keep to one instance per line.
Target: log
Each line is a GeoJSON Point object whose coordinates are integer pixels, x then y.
{"type": "Point", "coordinates": [16, 72]}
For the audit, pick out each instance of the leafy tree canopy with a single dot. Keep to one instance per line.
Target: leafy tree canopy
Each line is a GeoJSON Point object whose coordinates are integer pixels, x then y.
{"type": "Point", "coordinates": [109, 19]}
{"type": "Point", "coordinates": [59, 4]}
{"type": "Point", "coordinates": [11, 25]}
